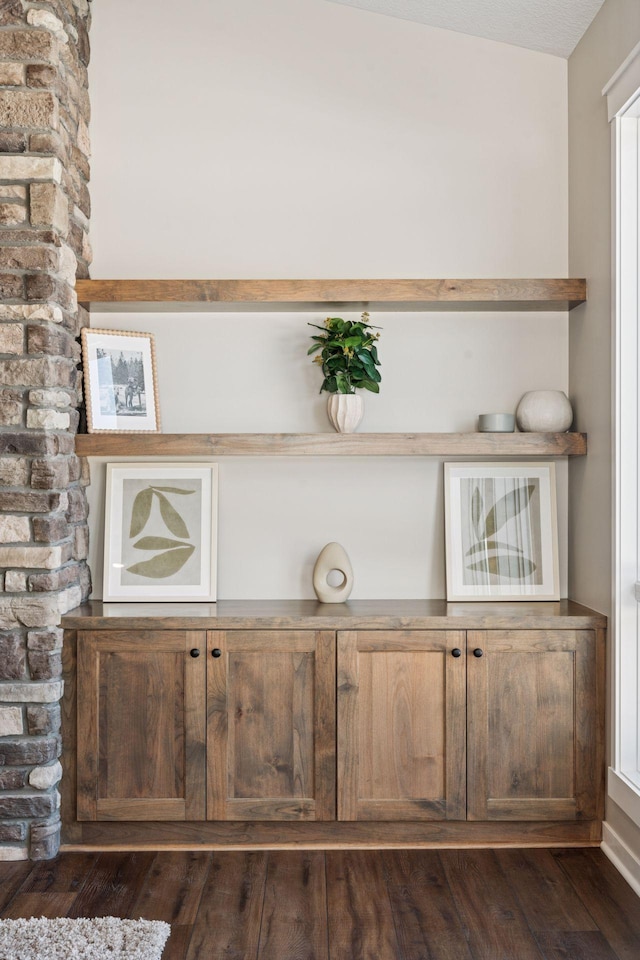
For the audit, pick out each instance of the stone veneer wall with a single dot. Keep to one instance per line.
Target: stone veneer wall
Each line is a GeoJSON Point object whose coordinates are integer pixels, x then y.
{"type": "Point", "coordinates": [44, 214]}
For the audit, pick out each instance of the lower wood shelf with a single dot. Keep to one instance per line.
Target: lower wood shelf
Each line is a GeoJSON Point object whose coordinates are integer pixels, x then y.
{"type": "Point", "coordinates": [332, 444]}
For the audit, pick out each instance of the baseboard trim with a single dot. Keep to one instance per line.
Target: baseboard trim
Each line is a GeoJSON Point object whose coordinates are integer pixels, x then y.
{"type": "Point", "coordinates": [237, 834]}
{"type": "Point", "coordinates": [622, 857]}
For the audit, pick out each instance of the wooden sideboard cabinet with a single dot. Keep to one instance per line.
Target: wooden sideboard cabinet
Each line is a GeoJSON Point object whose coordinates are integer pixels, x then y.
{"type": "Point", "coordinates": [487, 725]}
{"type": "Point", "coordinates": [368, 723]}
{"type": "Point", "coordinates": [166, 732]}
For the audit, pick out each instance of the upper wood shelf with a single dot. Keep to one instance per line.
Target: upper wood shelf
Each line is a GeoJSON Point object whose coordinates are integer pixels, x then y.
{"type": "Point", "coordinates": [545, 294]}
{"type": "Point", "coordinates": [331, 444]}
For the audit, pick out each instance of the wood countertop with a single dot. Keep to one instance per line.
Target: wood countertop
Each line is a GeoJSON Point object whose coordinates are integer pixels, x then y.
{"type": "Point", "coordinates": [353, 615]}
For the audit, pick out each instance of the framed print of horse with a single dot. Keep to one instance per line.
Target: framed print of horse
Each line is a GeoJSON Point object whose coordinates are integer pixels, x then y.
{"type": "Point", "coordinates": [501, 531]}
{"type": "Point", "coordinates": [120, 381]}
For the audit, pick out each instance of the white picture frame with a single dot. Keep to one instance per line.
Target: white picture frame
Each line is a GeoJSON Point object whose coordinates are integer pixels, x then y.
{"type": "Point", "coordinates": [120, 381]}
{"type": "Point", "coordinates": [160, 540]}
{"type": "Point", "coordinates": [501, 531]}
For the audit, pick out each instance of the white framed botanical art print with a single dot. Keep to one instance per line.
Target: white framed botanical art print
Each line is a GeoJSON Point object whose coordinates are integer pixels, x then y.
{"type": "Point", "coordinates": [120, 381]}
{"type": "Point", "coordinates": [501, 531]}
{"type": "Point", "coordinates": [160, 538]}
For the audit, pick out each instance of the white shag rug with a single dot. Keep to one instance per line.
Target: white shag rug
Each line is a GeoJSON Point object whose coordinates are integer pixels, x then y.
{"type": "Point", "coordinates": [105, 938]}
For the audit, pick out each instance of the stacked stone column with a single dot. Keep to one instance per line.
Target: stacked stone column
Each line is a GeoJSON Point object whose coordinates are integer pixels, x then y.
{"type": "Point", "coordinates": [44, 216]}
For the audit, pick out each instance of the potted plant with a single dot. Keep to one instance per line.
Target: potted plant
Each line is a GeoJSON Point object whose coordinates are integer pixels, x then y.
{"type": "Point", "coordinates": [348, 357]}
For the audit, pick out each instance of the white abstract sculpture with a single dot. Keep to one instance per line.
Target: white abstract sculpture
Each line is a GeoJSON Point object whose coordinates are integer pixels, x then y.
{"type": "Point", "coordinates": [332, 557]}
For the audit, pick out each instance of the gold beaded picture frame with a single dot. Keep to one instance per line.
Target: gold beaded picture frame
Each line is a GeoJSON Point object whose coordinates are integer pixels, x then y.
{"type": "Point", "coordinates": [120, 381]}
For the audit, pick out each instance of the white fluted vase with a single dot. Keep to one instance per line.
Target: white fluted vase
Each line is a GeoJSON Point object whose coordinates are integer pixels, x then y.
{"type": "Point", "coordinates": [345, 411]}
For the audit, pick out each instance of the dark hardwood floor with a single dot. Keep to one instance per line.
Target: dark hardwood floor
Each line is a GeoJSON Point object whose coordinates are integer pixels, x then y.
{"type": "Point", "coordinates": [348, 904]}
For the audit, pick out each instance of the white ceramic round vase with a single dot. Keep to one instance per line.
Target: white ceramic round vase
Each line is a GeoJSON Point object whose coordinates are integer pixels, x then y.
{"type": "Point", "coordinates": [544, 411]}
{"type": "Point", "coordinates": [345, 411]}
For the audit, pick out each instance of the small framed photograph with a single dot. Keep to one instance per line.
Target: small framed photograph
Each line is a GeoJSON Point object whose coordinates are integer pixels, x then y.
{"type": "Point", "coordinates": [160, 538]}
{"type": "Point", "coordinates": [501, 531]}
{"type": "Point", "coordinates": [120, 381]}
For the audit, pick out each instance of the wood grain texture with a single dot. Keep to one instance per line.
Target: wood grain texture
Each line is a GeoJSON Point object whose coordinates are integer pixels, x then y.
{"type": "Point", "coordinates": [264, 748]}
{"type": "Point", "coordinates": [396, 761]}
{"type": "Point", "coordinates": [113, 885]}
{"type": "Point", "coordinates": [173, 892]}
{"type": "Point", "coordinates": [331, 444]}
{"type": "Point", "coordinates": [561, 294]}
{"type": "Point", "coordinates": [270, 713]}
{"type": "Point", "coordinates": [26, 905]}
{"type": "Point", "coordinates": [68, 728]}
{"type": "Point", "coordinates": [294, 916]}
{"type": "Point", "coordinates": [231, 908]}
{"type": "Point", "coordinates": [362, 926]}
{"type": "Point", "coordinates": [546, 896]}
{"type": "Point", "coordinates": [325, 726]}
{"type": "Point", "coordinates": [354, 615]}
{"type": "Point", "coordinates": [12, 874]}
{"type": "Point", "coordinates": [488, 909]}
{"type": "Point", "coordinates": [141, 713]}
{"type": "Point", "coordinates": [254, 835]}
{"type": "Point", "coordinates": [65, 876]}
{"type": "Point", "coordinates": [400, 747]}
{"type": "Point", "coordinates": [608, 898]}
{"type": "Point", "coordinates": [396, 758]}
{"type": "Point", "coordinates": [88, 679]}
{"type": "Point", "coordinates": [391, 905]}
{"type": "Point", "coordinates": [425, 914]}
{"type": "Point", "coordinates": [586, 946]}
{"type": "Point", "coordinates": [455, 728]}
{"type": "Point", "coordinates": [532, 725]}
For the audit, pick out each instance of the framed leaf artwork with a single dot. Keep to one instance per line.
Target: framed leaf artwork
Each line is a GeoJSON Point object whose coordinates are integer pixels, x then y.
{"type": "Point", "coordinates": [501, 531]}
{"type": "Point", "coordinates": [160, 531]}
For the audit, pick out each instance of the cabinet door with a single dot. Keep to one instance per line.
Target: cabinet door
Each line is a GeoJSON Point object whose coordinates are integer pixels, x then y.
{"type": "Point", "coordinates": [401, 725]}
{"type": "Point", "coordinates": [271, 725]}
{"type": "Point", "coordinates": [141, 725]}
{"type": "Point", "coordinates": [533, 729]}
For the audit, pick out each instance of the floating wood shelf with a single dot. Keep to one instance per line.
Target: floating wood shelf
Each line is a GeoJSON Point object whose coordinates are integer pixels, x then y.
{"type": "Point", "coordinates": [545, 294]}
{"type": "Point", "coordinates": [331, 444]}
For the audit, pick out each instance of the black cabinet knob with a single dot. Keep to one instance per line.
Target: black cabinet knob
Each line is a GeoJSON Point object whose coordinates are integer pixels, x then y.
{"type": "Point", "coordinates": [195, 652]}
{"type": "Point", "coordinates": [478, 652]}
{"type": "Point", "coordinates": [456, 652]}
{"type": "Point", "coordinates": [216, 652]}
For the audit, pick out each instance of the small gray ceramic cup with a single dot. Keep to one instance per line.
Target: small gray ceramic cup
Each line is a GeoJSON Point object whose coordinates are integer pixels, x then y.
{"type": "Point", "coordinates": [496, 422]}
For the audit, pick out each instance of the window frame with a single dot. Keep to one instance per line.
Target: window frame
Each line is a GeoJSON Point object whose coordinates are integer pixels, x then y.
{"type": "Point", "coordinates": [623, 93]}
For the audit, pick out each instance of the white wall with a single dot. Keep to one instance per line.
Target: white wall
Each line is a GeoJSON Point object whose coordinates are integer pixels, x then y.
{"type": "Point", "coordinates": [611, 37]}
{"type": "Point", "coordinates": [234, 138]}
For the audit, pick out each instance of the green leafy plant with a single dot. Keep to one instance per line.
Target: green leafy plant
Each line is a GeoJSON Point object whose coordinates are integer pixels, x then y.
{"type": "Point", "coordinates": [348, 356]}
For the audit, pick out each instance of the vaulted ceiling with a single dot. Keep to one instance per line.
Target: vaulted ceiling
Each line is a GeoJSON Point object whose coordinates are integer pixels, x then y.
{"type": "Point", "coordinates": [550, 26]}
